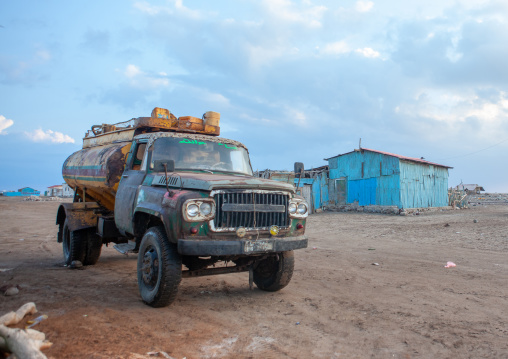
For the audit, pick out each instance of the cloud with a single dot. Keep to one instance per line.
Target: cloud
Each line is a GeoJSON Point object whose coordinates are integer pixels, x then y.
{"type": "Point", "coordinates": [368, 52]}
{"type": "Point", "coordinates": [145, 81]}
{"type": "Point", "coordinates": [339, 47]}
{"type": "Point", "coordinates": [14, 70]}
{"type": "Point", "coordinates": [342, 47]}
{"type": "Point", "coordinates": [265, 55]}
{"type": "Point", "coordinates": [132, 71]}
{"type": "Point", "coordinates": [216, 98]}
{"type": "Point", "coordinates": [5, 123]}
{"type": "Point", "coordinates": [137, 88]}
{"type": "Point", "coordinates": [49, 136]}
{"type": "Point", "coordinates": [177, 8]}
{"type": "Point", "coordinates": [299, 117]}
{"type": "Point", "coordinates": [145, 7]}
{"type": "Point", "coordinates": [364, 6]}
{"type": "Point", "coordinates": [459, 48]}
{"type": "Point", "coordinates": [308, 14]}
{"type": "Point", "coordinates": [460, 113]}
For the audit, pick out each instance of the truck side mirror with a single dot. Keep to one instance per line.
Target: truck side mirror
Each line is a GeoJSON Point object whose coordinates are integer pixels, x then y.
{"type": "Point", "coordinates": [298, 169]}
{"type": "Point", "coordinates": [158, 165]}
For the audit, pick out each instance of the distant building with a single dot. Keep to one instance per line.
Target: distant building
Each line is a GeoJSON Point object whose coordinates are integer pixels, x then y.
{"type": "Point", "coordinates": [25, 191]}
{"type": "Point", "coordinates": [61, 190]}
{"type": "Point", "coordinates": [370, 177]}
{"type": "Point", "coordinates": [54, 191]}
{"type": "Point", "coordinates": [67, 191]}
{"type": "Point", "coordinates": [470, 188]}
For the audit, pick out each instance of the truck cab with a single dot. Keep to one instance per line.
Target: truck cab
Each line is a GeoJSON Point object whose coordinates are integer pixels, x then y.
{"type": "Point", "coordinates": [187, 202]}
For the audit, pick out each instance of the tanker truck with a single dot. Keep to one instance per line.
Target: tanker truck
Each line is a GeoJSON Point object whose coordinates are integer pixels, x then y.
{"type": "Point", "coordinates": [182, 198]}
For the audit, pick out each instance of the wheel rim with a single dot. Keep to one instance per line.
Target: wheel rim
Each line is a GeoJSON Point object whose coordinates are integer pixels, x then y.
{"type": "Point", "coordinates": [150, 268]}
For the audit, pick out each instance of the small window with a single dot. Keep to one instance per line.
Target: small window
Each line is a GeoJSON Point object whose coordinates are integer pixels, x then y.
{"type": "Point", "coordinates": [138, 157]}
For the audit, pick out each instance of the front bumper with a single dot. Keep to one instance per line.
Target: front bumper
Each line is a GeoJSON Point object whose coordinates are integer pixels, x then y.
{"type": "Point", "coordinates": [200, 247]}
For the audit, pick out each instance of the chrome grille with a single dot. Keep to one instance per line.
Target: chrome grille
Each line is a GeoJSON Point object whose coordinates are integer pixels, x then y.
{"type": "Point", "coordinates": [251, 209]}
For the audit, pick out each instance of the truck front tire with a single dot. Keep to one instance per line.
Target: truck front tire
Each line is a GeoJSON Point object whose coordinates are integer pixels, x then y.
{"type": "Point", "coordinates": [159, 268]}
{"type": "Point", "coordinates": [275, 272]}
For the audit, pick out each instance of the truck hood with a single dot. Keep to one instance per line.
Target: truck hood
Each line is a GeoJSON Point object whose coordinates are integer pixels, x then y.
{"type": "Point", "coordinates": [210, 182]}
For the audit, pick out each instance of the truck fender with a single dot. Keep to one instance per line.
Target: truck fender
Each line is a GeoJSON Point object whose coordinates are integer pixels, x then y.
{"type": "Point", "coordinates": [79, 215]}
{"type": "Point", "coordinates": [145, 218]}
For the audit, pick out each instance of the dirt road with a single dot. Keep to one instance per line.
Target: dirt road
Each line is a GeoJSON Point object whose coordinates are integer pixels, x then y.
{"type": "Point", "coordinates": [338, 305]}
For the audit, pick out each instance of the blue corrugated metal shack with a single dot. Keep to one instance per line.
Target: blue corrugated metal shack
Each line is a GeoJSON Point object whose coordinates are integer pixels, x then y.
{"type": "Point", "coordinates": [25, 191]}
{"type": "Point", "coordinates": [372, 177]}
{"type": "Point", "coordinates": [314, 187]}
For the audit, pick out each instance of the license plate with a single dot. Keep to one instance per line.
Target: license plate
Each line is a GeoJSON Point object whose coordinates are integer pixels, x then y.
{"type": "Point", "coordinates": [258, 246]}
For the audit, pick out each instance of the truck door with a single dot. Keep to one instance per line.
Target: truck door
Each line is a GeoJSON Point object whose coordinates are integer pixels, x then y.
{"type": "Point", "coordinates": [128, 189]}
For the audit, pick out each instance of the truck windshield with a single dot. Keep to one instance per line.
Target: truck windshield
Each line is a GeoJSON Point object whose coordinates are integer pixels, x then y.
{"type": "Point", "coordinates": [191, 154]}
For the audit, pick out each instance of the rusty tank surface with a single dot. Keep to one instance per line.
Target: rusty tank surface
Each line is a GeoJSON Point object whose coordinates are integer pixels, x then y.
{"type": "Point", "coordinates": [184, 199]}
{"type": "Point", "coordinates": [95, 172]}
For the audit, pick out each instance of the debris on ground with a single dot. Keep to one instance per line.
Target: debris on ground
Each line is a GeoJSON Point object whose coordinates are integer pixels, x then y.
{"type": "Point", "coordinates": [9, 289]}
{"type": "Point", "coordinates": [23, 344]}
{"type": "Point", "coordinates": [44, 199]}
{"type": "Point", "coordinates": [450, 265]}
{"type": "Point", "coordinates": [76, 265]}
{"type": "Point", "coordinates": [36, 321]}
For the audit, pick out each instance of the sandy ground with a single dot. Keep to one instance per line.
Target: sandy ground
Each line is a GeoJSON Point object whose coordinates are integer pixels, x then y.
{"type": "Point", "coordinates": [338, 305]}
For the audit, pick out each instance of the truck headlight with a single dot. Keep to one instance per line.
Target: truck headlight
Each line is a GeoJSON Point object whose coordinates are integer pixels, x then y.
{"type": "Point", "coordinates": [292, 208]}
{"type": "Point", "coordinates": [192, 210]}
{"type": "Point", "coordinates": [195, 210]}
{"type": "Point", "coordinates": [205, 208]}
{"type": "Point", "coordinates": [298, 208]}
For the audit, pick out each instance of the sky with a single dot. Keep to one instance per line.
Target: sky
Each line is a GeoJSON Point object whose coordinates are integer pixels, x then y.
{"type": "Point", "coordinates": [293, 80]}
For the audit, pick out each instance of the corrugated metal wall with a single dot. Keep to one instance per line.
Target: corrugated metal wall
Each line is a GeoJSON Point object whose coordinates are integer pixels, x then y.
{"type": "Point", "coordinates": [374, 165]}
{"type": "Point", "coordinates": [319, 189]}
{"type": "Point", "coordinates": [362, 191]}
{"type": "Point", "coordinates": [423, 185]}
{"type": "Point", "coordinates": [378, 182]}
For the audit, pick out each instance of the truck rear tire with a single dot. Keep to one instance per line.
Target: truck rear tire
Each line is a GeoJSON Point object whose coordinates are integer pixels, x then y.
{"type": "Point", "coordinates": [275, 272]}
{"type": "Point", "coordinates": [159, 268]}
{"type": "Point", "coordinates": [93, 247]}
{"type": "Point", "coordinates": [74, 244]}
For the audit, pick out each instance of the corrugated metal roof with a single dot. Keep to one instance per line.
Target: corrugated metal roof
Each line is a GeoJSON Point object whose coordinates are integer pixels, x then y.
{"type": "Point", "coordinates": [405, 158]}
